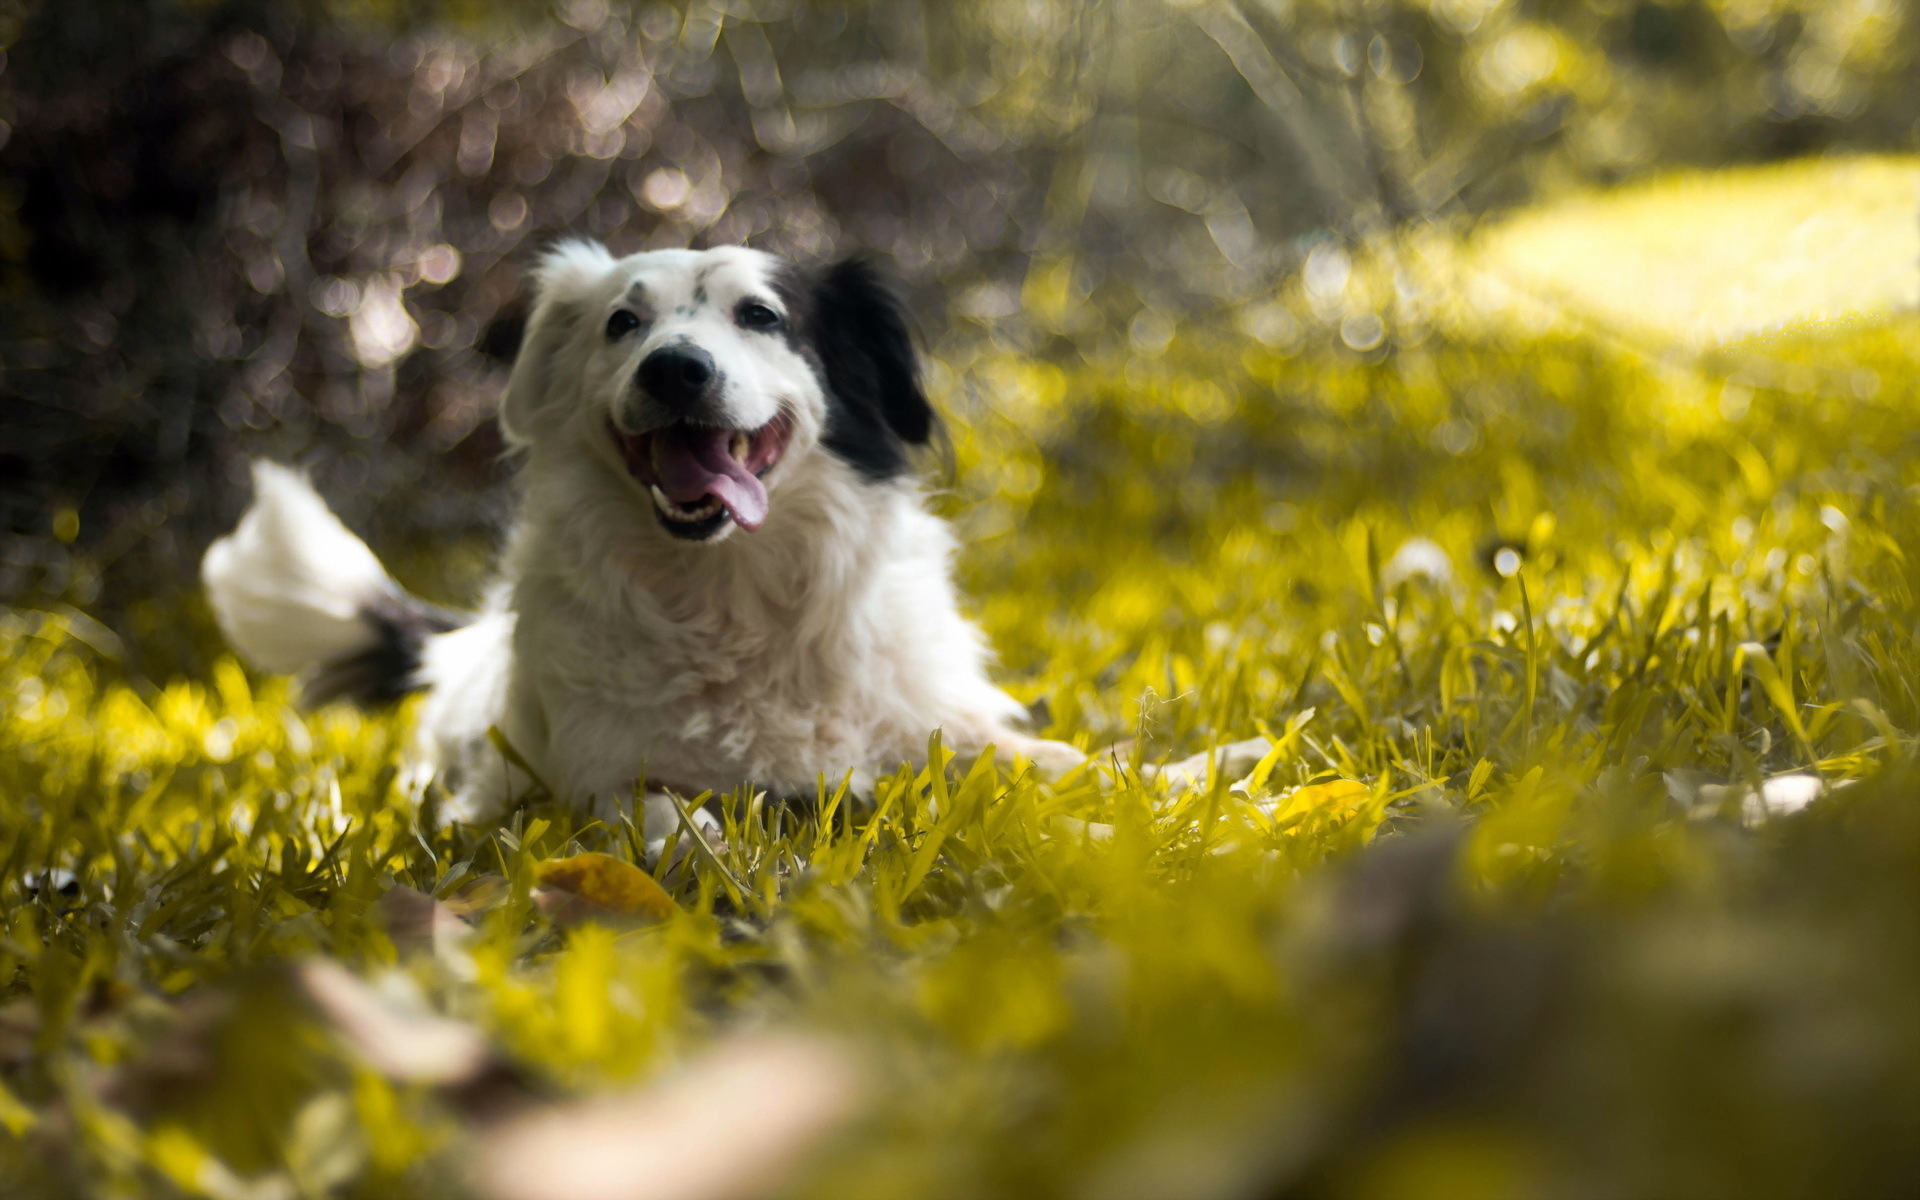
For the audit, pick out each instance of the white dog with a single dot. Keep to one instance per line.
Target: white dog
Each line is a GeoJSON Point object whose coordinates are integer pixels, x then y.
{"type": "Point", "coordinates": [722, 571]}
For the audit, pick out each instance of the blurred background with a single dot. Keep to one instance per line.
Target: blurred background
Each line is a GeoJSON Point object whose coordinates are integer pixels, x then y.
{"type": "Point", "coordinates": [1506, 405]}
{"type": "Point", "coordinates": [299, 227]}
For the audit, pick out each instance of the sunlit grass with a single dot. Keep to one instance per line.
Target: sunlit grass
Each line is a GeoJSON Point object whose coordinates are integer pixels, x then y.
{"type": "Point", "coordinates": [1700, 260]}
{"type": "Point", "coordinates": [1554, 612]}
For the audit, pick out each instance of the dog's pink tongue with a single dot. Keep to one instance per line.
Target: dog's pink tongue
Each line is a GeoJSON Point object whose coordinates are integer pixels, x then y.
{"type": "Point", "coordinates": [694, 463]}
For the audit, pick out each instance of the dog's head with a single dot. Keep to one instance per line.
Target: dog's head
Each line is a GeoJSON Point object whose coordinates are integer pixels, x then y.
{"type": "Point", "coordinates": [708, 377]}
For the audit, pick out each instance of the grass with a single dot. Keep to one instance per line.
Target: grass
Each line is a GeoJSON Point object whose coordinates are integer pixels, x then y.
{"type": "Point", "coordinates": [1675, 258]}
{"type": "Point", "coordinates": [1554, 610]}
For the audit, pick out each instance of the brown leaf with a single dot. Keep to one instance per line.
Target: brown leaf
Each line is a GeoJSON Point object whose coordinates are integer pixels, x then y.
{"type": "Point", "coordinates": [19, 1028]}
{"type": "Point", "coordinates": [732, 1124]}
{"type": "Point", "coordinates": [477, 895]}
{"type": "Point", "coordinates": [1336, 799]}
{"type": "Point", "coordinates": [592, 885]}
{"type": "Point", "coordinates": [398, 1039]}
{"type": "Point", "coordinates": [416, 919]}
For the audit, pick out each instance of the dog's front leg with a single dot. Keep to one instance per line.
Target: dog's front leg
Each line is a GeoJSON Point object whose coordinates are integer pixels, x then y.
{"type": "Point", "coordinates": [1052, 759]}
{"type": "Point", "coordinates": [489, 781]}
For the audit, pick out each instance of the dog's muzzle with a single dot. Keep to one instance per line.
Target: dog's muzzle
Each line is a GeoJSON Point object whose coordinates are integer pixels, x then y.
{"type": "Point", "coordinates": [702, 476]}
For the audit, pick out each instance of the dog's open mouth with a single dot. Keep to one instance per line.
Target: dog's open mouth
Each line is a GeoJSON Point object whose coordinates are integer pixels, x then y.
{"type": "Point", "coordinates": [701, 476]}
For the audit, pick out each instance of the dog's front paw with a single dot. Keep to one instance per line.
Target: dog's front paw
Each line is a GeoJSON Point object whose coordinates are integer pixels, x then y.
{"type": "Point", "coordinates": [659, 819]}
{"type": "Point", "coordinates": [1052, 759]}
{"type": "Point", "coordinates": [470, 804]}
{"type": "Point", "coordinates": [1233, 760]}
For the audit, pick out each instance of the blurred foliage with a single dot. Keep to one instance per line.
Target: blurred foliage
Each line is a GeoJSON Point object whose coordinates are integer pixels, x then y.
{"type": "Point", "coordinates": [1555, 608]}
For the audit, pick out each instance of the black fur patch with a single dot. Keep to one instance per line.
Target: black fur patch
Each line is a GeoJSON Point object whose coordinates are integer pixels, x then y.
{"type": "Point", "coordinates": [854, 327]}
{"type": "Point", "coordinates": [502, 338]}
{"type": "Point", "coordinates": [389, 669]}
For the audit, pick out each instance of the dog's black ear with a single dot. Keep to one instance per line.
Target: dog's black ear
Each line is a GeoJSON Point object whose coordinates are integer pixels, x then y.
{"type": "Point", "coordinates": [859, 329]}
{"type": "Point", "coordinates": [541, 389]}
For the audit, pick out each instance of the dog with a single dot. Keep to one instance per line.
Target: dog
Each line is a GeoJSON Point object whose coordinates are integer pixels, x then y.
{"type": "Point", "coordinates": [722, 571]}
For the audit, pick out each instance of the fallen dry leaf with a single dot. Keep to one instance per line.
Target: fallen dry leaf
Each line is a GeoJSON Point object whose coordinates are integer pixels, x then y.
{"type": "Point", "coordinates": [414, 919]}
{"type": "Point", "coordinates": [477, 895]}
{"type": "Point", "coordinates": [19, 1028]}
{"type": "Point", "coordinates": [392, 1035]}
{"type": "Point", "coordinates": [1334, 798]}
{"type": "Point", "coordinates": [592, 885]}
{"type": "Point", "coordinates": [417, 921]}
{"type": "Point", "coordinates": [729, 1125]}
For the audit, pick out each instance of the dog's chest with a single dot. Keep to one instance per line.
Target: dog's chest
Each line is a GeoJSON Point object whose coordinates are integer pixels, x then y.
{"type": "Point", "coordinates": [700, 703]}
{"type": "Point", "coordinates": [703, 666]}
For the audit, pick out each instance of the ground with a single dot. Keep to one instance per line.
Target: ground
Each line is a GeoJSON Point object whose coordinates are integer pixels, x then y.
{"type": "Point", "coordinates": [1510, 908]}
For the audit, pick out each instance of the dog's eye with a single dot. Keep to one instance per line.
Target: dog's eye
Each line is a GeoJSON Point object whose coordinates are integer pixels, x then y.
{"type": "Point", "coordinates": [620, 324]}
{"type": "Point", "coordinates": [758, 316]}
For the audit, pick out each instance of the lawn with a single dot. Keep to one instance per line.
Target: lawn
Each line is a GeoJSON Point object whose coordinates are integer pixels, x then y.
{"type": "Point", "coordinates": [1529, 616]}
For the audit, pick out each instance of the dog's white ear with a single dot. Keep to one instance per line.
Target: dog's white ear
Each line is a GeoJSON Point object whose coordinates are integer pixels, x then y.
{"type": "Point", "coordinates": [540, 388]}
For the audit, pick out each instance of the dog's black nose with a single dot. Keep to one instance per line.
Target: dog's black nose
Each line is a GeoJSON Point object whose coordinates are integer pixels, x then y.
{"type": "Point", "coordinates": [677, 376]}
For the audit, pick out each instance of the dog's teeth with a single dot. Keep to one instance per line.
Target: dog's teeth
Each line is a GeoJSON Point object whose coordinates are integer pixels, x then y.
{"type": "Point", "coordinates": [739, 446]}
{"type": "Point", "coordinates": [677, 512]}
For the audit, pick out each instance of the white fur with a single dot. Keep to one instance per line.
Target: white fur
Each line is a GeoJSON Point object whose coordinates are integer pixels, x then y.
{"type": "Point", "coordinates": [287, 586]}
{"type": "Point", "coordinates": [828, 640]}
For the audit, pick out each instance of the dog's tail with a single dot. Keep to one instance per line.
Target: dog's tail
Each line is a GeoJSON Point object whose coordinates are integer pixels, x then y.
{"type": "Point", "coordinates": [295, 592]}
